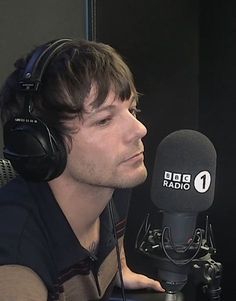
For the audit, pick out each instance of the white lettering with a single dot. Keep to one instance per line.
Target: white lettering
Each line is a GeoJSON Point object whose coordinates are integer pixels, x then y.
{"type": "Point", "coordinates": [171, 185]}
{"type": "Point", "coordinates": [186, 186]}
{"type": "Point", "coordinates": [186, 178]}
{"type": "Point", "coordinates": [165, 183]}
{"type": "Point", "coordinates": [168, 175]}
{"type": "Point", "coordinates": [177, 177]}
{"type": "Point", "coordinates": [178, 181]}
{"type": "Point", "coordinates": [176, 185]}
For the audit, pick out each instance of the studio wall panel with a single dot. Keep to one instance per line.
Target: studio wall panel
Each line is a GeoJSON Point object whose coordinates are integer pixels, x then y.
{"type": "Point", "coordinates": [217, 98]}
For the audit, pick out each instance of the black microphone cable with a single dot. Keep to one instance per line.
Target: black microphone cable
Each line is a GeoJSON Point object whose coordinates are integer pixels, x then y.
{"type": "Point", "coordinates": [111, 213]}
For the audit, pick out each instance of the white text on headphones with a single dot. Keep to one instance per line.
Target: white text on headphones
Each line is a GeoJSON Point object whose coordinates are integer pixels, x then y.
{"type": "Point", "coordinates": [27, 120]}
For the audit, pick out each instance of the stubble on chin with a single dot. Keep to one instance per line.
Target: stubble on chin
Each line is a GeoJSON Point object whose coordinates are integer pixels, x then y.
{"type": "Point", "coordinates": [131, 182]}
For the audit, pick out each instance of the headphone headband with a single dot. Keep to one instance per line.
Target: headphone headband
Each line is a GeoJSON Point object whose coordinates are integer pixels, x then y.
{"type": "Point", "coordinates": [34, 70]}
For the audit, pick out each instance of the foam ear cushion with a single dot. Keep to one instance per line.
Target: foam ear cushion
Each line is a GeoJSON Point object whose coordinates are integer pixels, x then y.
{"type": "Point", "coordinates": [35, 151]}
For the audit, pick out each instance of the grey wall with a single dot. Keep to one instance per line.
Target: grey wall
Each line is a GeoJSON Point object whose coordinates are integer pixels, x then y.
{"type": "Point", "coordinates": [25, 24]}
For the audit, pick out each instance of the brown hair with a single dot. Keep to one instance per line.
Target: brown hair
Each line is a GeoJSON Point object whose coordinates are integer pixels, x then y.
{"type": "Point", "coordinates": [67, 81]}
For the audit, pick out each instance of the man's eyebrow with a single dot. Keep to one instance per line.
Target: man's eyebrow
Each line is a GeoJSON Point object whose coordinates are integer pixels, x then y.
{"type": "Point", "coordinates": [112, 107]}
{"type": "Point", "coordinates": [109, 108]}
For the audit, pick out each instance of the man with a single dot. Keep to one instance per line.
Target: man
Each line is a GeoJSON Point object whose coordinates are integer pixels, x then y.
{"type": "Point", "coordinates": [61, 235]}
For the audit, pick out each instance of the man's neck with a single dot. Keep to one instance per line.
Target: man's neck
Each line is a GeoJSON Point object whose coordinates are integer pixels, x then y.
{"type": "Point", "coordinates": [81, 204]}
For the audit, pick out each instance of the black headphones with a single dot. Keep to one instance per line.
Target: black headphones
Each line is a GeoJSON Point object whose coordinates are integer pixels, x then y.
{"type": "Point", "coordinates": [35, 151]}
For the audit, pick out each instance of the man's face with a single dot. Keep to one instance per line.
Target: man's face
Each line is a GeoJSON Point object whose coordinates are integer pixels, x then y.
{"type": "Point", "coordinates": [107, 150]}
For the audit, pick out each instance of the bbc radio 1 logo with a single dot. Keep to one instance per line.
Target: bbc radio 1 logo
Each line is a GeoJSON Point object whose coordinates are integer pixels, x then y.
{"type": "Point", "coordinates": [179, 181]}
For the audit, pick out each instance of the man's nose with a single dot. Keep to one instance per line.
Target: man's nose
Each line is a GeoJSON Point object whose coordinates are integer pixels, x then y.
{"type": "Point", "coordinates": [137, 129]}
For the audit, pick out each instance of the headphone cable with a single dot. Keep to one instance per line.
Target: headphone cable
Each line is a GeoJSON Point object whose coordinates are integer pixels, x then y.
{"type": "Point", "coordinates": [111, 212]}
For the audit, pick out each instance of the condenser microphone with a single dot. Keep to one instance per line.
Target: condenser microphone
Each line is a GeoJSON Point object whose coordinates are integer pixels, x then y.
{"type": "Point", "coordinates": [183, 184]}
{"type": "Point", "coordinates": [184, 173]}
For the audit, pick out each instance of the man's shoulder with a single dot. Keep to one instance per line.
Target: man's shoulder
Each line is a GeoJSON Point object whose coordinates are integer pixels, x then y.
{"type": "Point", "coordinates": [15, 205]}
{"type": "Point", "coordinates": [14, 191]}
{"type": "Point", "coordinates": [23, 239]}
{"type": "Point", "coordinates": [20, 226]}
{"type": "Point", "coordinates": [21, 283]}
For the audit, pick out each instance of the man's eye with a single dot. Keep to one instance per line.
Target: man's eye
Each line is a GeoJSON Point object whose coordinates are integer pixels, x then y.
{"type": "Point", "coordinates": [134, 111]}
{"type": "Point", "coordinates": [103, 121]}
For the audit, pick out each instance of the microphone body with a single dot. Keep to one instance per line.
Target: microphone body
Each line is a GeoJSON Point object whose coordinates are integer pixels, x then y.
{"type": "Point", "coordinates": [176, 249]}
{"type": "Point", "coordinates": [183, 185]}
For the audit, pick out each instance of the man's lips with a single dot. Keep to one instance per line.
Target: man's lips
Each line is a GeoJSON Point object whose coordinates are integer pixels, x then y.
{"type": "Point", "coordinates": [136, 156]}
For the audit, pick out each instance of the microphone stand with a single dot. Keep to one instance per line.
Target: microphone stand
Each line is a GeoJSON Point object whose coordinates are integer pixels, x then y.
{"type": "Point", "coordinates": [205, 271]}
{"type": "Point", "coordinates": [173, 297]}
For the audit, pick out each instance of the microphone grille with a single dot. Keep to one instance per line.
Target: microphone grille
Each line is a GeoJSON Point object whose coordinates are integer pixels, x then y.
{"type": "Point", "coordinates": [184, 172]}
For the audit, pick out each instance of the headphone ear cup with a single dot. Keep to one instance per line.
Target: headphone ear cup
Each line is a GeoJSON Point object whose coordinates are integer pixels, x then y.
{"type": "Point", "coordinates": [35, 152]}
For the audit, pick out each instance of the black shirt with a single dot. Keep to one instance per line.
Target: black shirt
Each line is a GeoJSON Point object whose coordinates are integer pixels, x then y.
{"type": "Point", "coordinates": [34, 233]}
